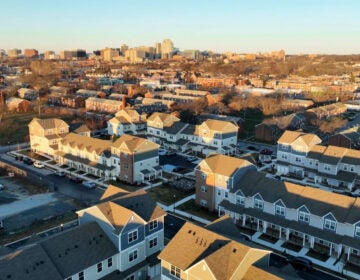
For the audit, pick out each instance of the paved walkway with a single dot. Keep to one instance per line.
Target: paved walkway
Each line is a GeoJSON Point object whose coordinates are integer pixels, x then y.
{"type": "Point", "coordinates": [26, 204]}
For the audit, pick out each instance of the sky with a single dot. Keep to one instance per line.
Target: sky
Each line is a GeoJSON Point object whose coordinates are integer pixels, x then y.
{"type": "Point", "coordinates": [240, 26]}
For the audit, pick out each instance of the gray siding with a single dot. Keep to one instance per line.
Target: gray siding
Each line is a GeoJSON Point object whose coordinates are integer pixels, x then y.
{"type": "Point", "coordinates": [146, 155]}
{"type": "Point", "coordinates": [129, 228]}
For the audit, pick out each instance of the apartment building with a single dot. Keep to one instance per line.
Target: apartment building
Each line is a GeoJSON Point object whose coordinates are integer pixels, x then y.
{"type": "Point", "coordinates": [45, 134]}
{"type": "Point", "coordinates": [129, 121]}
{"type": "Point", "coordinates": [27, 93]}
{"type": "Point", "coordinates": [216, 176]}
{"type": "Point", "coordinates": [218, 82]}
{"type": "Point", "coordinates": [200, 253]}
{"type": "Point", "coordinates": [348, 138]}
{"type": "Point", "coordinates": [103, 105]}
{"type": "Point", "coordinates": [301, 155]}
{"type": "Point", "coordinates": [212, 136]}
{"type": "Point", "coordinates": [135, 225]}
{"type": "Point", "coordinates": [318, 221]}
{"type": "Point", "coordinates": [129, 158]}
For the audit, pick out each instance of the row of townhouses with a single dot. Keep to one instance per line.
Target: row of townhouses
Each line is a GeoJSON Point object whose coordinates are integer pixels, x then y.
{"type": "Point", "coordinates": [325, 222]}
{"type": "Point", "coordinates": [167, 130]}
{"type": "Point", "coordinates": [118, 238]}
{"type": "Point", "coordinates": [129, 158]}
{"type": "Point", "coordinates": [122, 237]}
{"type": "Point", "coordinates": [301, 155]}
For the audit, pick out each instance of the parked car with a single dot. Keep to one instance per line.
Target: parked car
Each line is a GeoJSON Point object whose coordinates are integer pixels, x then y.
{"type": "Point", "coordinates": [191, 158]}
{"type": "Point", "coordinates": [27, 160]}
{"type": "Point", "coordinates": [89, 185]}
{"type": "Point", "coordinates": [301, 263]}
{"type": "Point", "coordinates": [75, 179]}
{"type": "Point", "coordinates": [38, 164]}
{"type": "Point", "coordinates": [60, 173]}
{"type": "Point", "coordinates": [1, 187]}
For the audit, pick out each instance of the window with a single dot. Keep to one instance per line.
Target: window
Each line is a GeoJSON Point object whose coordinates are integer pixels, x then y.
{"type": "Point", "coordinates": [126, 165]}
{"type": "Point", "coordinates": [304, 217]}
{"type": "Point", "coordinates": [357, 231]}
{"type": "Point", "coordinates": [240, 199]}
{"type": "Point", "coordinates": [330, 224]}
{"type": "Point", "coordinates": [81, 275]}
{"type": "Point", "coordinates": [219, 192]}
{"type": "Point", "coordinates": [284, 156]}
{"type": "Point", "coordinates": [132, 236]}
{"type": "Point", "coordinates": [133, 255]}
{"type": "Point", "coordinates": [204, 176]}
{"type": "Point", "coordinates": [153, 224]}
{"type": "Point", "coordinates": [297, 159]}
{"type": "Point", "coordinates": [131, 277]}
{"type": "Point", "coordinates": [203, 188]}
{"type": "Point", "coordinates": [258, 202]}
{"type": "Point", "coordinates": [279, 210]}
{"type": "Point", "coordinates": [153, 242]}
{"type": "Point", "coordinates": [203, 202]}
{"type": "Point", "coordinates": [99, 267]}
{"type": "Point", "coordinates": [109, 262]}
{"type": "Point", "coordinates": [175, 271]}
{"type": "Point", "coordinates": [226, 194]}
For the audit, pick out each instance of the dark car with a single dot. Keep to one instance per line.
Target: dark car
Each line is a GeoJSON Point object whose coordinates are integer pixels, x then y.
{"type": "Point", "coordinates": [301, 263]}
{"type": "Point", "coordinates": [27, 161]}
{"type": "Point", "coordinates": [252, 148]}
{"type": "Point", "coordinates": [75, 179]}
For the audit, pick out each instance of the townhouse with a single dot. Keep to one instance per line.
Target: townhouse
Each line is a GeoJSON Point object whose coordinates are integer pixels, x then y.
{"type": "Point", "coordinates": [135, 225]}
{"type": "Point", "coordinates": [318, 221]}
{"type": "Point", "coordinates": [128, 121]}
{"type": "Point", "coordinates": [299, 154]}
{"type": "Point", "coordinates": [84, 252]}
{"type": "Point", "coordinates": [45, 134]}
{"type": "Point", "coordinates": [118, 238]}
{"type": "Point", "coordinates": [200, 253]}
{"type": "Point", "coordinates": [135, 159]}
{"type": "Point", "coordinates": [129, 158]}
{"type": "Point", "coordinates": [347, 138]}
{"type": "Point", "coordinates": [212, 136]}
{"type": "Point", "coordinates": [216, 176]}
{"type": "Point", "coordinates": [103, 105]}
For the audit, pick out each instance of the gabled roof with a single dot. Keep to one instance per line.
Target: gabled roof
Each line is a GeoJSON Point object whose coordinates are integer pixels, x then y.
{"type": "Point", "coordinates": [194, 244]}
{"type": "Point", "coordinates": [224, 226]}
{"type": "Point", "coordinates": [134, 144]}
{"type": "Point", "coordinates": [142, 204]}
{"type": "Point", "coordinates": [89, 144]}
{"type": "Point", "coordinates": [223, 165]}
{"type": "Point", "coordinates": [52, 123]}
{"type": "Point", "coordinates": [308, 139]}
{"type": "Point", "coordinates": [112, 192]}
{"type": "Point", "coordinates": [220, 126]}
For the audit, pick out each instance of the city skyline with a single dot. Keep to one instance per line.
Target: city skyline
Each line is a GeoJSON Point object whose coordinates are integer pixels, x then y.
{"type": "Point", "coordinates": [235, 26]}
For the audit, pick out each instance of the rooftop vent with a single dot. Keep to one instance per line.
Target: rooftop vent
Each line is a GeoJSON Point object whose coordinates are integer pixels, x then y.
{"type": "Point", "coordinates": [189, 231]}
{"type": "Point", "coordinates": [234, 250]}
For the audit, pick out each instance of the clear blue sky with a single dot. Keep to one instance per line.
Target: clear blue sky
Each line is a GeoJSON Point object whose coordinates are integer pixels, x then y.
{"type": "Point", "coordinates": [297, 26]}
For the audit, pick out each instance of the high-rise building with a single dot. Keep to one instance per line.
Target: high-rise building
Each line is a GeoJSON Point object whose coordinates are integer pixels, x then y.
{"type": "Point", "coordinates": [31, 53]}
{"type": "Point", "coordinates": [13, 52]}
{"type": "Point", "coordinates": [65, 55]}
{"type": "Point", "coordinates": [49, 55]}
{"type": "Point", "coordinates": [109, 54]}
{"type": "Point", "coordinates": [158, 49]}
{"type": "Point", "coordinates": [124, 48]}
{"type": "Point", "coordinates": [167, 48]}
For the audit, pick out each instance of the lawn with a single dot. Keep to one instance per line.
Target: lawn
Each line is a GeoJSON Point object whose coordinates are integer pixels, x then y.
{"type": "Point", "coordinates": [167, 195]}
{"type": "Point", "coordinates": [124, 186]}
{"type": "Point", "coordinates": [14, 126]}
{"type": "Point", "coordinates": [197, 210]}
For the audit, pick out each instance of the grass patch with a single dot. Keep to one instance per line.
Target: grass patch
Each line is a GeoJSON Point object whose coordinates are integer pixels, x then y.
{"type": "Point", "coordinates": [124, 186]}
{"type": "Point", "coordinates": [6, 237]}
{"type": "Point", "coordinates": [165, 194]}
{"type": "Point", "coordinates": [197, 210]}
{"type": "Point", "coordinates": [14, 126]}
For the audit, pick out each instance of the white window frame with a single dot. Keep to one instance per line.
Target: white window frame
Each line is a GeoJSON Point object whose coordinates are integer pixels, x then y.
{"type": "Point", "coordinates": [258, 203]}
{"type": "Point", "coordinates": [280, 210]}
{"type": "Point", "coordinates": [133, 255]}
{"type": "Point", "coordinates": [204, 188]}
{"type": "Point", "coordinates": [304, 217]}
{"type": "Point", "coordinates": [240, 200]}
{"type": "Point", "coordinates": [99, 267]}
{"type": "Point", "coordinates": [330, 224]}
{"type": "Point", "coordinates": [133, 236]}
{"type": "Point", "coordinates": [153, 242]}
{"type": "Point", "coordinates": [153, 224]}
{"type": "Point", "coordinates": [175, 271]}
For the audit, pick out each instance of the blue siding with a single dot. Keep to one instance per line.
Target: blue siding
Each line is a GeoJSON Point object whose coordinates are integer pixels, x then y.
{"type": "Point", "coordinates": [129, 228]}
{"type": "Point", "coordinates": [159, 228]}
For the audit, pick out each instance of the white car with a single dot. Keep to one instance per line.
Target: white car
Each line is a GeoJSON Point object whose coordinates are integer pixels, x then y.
{"type": "Point", "coordinates": [1, 187]}
{"type": "Point", "coordinates": [39, 164]}
{"type": "Point", "coordinates": [89, 185]}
